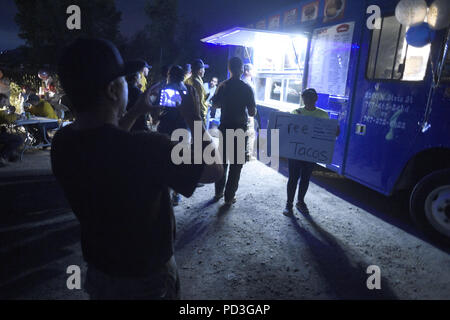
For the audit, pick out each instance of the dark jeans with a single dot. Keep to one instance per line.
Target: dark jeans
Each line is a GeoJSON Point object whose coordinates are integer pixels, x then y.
{"type": "Point", "coordinates": [230, 179]}
{"type": "Point", "coordinates": [161, 285]}
{"type": "Point", "coordinates": [10, 143]}
{"type": "Point", "coordinates": [302, 170]}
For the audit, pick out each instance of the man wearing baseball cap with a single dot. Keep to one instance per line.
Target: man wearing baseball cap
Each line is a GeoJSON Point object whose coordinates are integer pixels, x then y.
{"type": "Point", "coordinates": [144, 73]}
{"type": "Point", "coordinates": [196, 80]}
{"type": "Point", "coordinates": [117, 182]}
{"type": "Point", "coordinates": [134, 92]}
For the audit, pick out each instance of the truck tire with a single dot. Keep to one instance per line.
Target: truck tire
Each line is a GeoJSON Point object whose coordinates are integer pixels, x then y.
{"type": "Point", "coordinates": [430, 205]}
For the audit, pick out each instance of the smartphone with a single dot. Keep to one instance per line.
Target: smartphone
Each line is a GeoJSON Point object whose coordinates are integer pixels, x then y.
{"type": "Point", "coordinates": [169, 98]}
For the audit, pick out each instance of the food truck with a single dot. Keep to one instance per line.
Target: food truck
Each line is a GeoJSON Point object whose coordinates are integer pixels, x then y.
{"type": "Point", "coordinates": [392, 99]}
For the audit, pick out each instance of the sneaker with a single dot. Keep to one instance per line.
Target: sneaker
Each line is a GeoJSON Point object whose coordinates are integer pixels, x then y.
{"type": "Point", "coordinates": [302, 207]}
{"type": "Point", "coordinates": [288, 212]}
{"type": "Point", "coordinates": [176, 199]}
{"type": "Point", "coordinates": [230, 202]}
{"type": "Point", "coordinates": [217, 197]}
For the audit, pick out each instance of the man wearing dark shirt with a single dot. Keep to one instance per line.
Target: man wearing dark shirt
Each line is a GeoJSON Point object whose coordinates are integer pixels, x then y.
{"type": "Point", "coordinates": [116, 182]}
{"type": "Point", "coordinates": [235, 98]}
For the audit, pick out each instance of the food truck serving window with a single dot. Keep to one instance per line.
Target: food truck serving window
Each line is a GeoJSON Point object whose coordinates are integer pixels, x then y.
{"type": "Point", "coordinates": [280, 68]}
{"type": "Point", "coordinates": [279, 63]}
{"type": "Point", "coordinates": [391, 58]}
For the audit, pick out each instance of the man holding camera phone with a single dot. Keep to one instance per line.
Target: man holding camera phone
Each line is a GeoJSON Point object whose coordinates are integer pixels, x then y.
{"type": "Point", "coordinates": [117, 182]}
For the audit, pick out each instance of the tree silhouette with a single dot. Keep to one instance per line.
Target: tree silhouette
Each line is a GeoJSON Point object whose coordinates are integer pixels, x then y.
{"type": "Point", "coordinates": [163, 16]}
{"type": "Point", "coordinates": [42, 25]}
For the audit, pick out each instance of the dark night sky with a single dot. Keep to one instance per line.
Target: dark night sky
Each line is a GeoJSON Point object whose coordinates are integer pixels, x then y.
{"type": "Point", "coordinates": [214, 15]}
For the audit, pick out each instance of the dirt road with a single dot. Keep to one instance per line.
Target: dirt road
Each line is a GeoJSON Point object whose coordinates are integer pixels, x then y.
{"type": "Point", "coordinates": [252, 251]}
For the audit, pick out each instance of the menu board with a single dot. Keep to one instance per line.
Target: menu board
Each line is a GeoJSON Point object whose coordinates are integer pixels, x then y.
{"type": "Point", "coordinates": [333, 10]}
{"type": "Point", "coordinates": [290, 17]}
{"type": "Point", "coordinates": [330, 57]}
{"type": "Point", "coordinates": [261, 24]}
{"type": "Point", "coordinates": [310, 11]}
{"type": "Point", "coordinates": [274, 22]}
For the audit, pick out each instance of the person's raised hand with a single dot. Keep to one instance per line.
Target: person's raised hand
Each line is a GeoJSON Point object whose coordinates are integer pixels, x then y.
{"type": "Point", "coordinates": [144, 103]}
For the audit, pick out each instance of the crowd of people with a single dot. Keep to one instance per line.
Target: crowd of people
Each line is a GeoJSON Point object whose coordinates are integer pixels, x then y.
{"type": "Point", "coordinates": [47, 102]}
{"type": "Point", "coordinates": [114, 162]}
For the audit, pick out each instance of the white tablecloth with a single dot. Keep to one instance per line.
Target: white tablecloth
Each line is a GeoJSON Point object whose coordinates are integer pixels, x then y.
{"type": "Point", "coordinates": [34, 120]}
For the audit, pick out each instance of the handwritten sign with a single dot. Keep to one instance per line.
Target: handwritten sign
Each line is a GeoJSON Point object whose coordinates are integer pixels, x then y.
{"type": "Point", "coordinates": [305, 138]}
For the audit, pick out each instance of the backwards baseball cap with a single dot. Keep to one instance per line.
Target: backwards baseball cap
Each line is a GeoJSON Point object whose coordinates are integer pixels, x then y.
{"type": "Point", "coordinates": [144, 64]}
{"type": "Point", "coordinates": [137, 64]}
{"type": "Point", "coordinates": [91, 64]}
{"type": "Point", "coordinates": [198, 64]}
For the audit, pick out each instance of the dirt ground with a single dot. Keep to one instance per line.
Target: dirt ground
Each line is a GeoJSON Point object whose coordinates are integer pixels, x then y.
{"type": "Point", "coordinates": [252, 251]}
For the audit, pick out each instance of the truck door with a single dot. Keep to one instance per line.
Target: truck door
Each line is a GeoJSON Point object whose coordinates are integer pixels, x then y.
{"type": "Point", "coordinates": [390, 100]}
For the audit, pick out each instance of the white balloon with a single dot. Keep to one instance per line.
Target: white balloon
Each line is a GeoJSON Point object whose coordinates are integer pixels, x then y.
{"type": "Point", "coordinates": [411, 12]}
{"type": "Point", "coordinates": [439, 14]}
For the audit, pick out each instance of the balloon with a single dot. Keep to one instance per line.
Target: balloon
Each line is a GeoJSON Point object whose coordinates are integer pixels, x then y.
{"type": "Point", "coordinates": [411, 12]}
{"type": "Point", "coordinates": [439, 14]}
{"type": "Point", "coordinates": [42, 74]}
{"type": "Point", "coordinates": [419, 36]}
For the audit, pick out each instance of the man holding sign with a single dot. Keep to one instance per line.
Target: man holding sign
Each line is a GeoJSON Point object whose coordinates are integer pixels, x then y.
{"type": "Point", "coordinates": [300, 169]}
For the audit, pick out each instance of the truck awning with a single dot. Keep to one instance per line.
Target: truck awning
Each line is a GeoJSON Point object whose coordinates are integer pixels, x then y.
{"type": "Point", "coordinates": [247, 37]}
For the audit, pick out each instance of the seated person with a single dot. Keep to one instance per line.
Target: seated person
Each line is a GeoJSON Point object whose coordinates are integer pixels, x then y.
{"type": "Point", "coordinates": [41, 108]}
{"type": "Point", "coordinates": [8, 116]}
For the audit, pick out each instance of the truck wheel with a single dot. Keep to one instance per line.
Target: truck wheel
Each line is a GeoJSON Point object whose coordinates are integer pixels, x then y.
{"type": "Point", "coordinates": [430, 205]}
